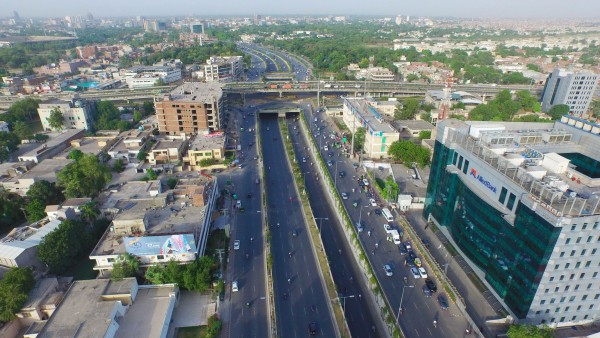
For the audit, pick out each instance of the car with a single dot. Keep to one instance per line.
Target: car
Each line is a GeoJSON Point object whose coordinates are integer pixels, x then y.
{"type": "Point", "coordinates": [240, 166]}
{"type": "Point", "coordinates": [387, 227]}
{"type": "Point", "coordinates": [359, 227]}
{"type": "Point", "coordinates": [365, 182]}
{"type": "Point", "coordinates": [426, 291]}
{"type": "Point", "coordinates": [377, 212]}
{"type": "Point", "coordinates": [425, 241]}
{"type": "Point", "coordinates": [443, 302]}
{"type": "Point", "coordinates": [388, 270]}
{"type": "Point", "coordinates": [403, 250]}
{"type": "Point", "coordinates": [415, 273]}
{"type": "Point", "coordinates": [369, 195]}
{"type": "Point", "coordinates": [330, 154]}
{"type": "Point", "coordinates": [344, 196]}
{"type": "Point", "coordinates": [326, 148]}
{"type": "Point", "coordinates": [329, 163]}
{"type": "Point", "coordinates": [412, 255]}
{"type": "Point", "coordinates": [304, 160]}
{"type": "Point", "coordinates": [236, 244]}
{"type": "Point", "coordinates": [238, 204]}
{"type": "Point", "coordinates": [372, 201]}
{"type": "Point", "coordinates": [342, 174]}
{"type": "Point", "coordinates": [407, 245]}
{"type": "Point", "coordinates": [312, 329]}
{"type": "Point", "coordinates": [234, 286]}
{"type": "Point", "coordinates": [431, 285]}
{"type": "Point", "coordinates": [423, 272]}
{"type": "Point", "coordinates": [409, 262]}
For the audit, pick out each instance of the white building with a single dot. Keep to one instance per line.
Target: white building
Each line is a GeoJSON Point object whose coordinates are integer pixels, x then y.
{"type": "Point", "coordinates": [224, 68]}
{"type": "Point", "coordinates": [573, 89]}
{"type": "Point", "coordinates": [148, 76]}
{"type": "Point", "coordinates": [19, 247]}
{"type": "Point", "coordinates": [77, 113]}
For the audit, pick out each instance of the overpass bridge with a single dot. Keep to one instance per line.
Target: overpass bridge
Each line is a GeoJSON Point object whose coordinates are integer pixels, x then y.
{"type": "Point", "coordinates": [352, 88]}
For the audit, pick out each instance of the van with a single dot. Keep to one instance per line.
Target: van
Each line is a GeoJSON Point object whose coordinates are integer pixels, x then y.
{"type": "Point", "coordinates": [387, 214]}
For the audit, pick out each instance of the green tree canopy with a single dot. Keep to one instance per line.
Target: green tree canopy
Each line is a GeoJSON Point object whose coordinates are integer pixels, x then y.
{"type": "Point", "coordinates": [141, 156]}
{"type": "Point", "coordinates": [22, 110]}
{"type": "Point", "coordinates": [359, 140]}
{"type": "Point", "coordinates": [424, 134]}
{"type": "Point", "coordinates": [75, 154]}
{"type": "Point", "coordinates": [10, 210]}
{"type": "Point", "coordinates": [409, 152]}
{"type": "Point", "coordinates": [9, 143]}
{"type": "Point", "coordinates": [84, 177]}
{"type": "Point", "coordinates": [410, 108]}
{"type": "Point", "coordinates": [196, 276]}
{"type": "Point", "coordinates": [108, 117]}
{"type": "Point", "coordinates": [36, 210]}
{"type": "Point", "coordinates": [529, 331]}
{"type": "Point", "coordinates": [56, 120]}
{"type": "Point", "coordinates": [22, 130]}
{"type": "Point", "coordinates": [60, 248]}
{"type": "Point", "coordinates": [126, 266]}
{"type": "Point", "coordinates": [558, 110]}
{"type": "Point", "coordinates": [14, 289]}
{"type": "Point", "coordinates": [45, 191]}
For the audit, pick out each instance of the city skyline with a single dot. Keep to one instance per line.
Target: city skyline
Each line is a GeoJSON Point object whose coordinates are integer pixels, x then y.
{"type": "Point", "coordinates": [459, 8]}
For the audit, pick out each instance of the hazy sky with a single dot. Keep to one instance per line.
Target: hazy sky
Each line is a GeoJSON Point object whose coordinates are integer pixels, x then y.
{"type": "Point", "coordinates": [456, 8]}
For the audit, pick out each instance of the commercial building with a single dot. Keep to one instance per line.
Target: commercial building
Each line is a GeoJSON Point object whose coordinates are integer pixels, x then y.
{"type": "Point", "coordinates": [77, 113]}
{"type": "Point", "coordinates": [520, 201]}
{"type": "Point", "coordinates": [156, 226]}
{"type": "Point", "coordinates": [202, 147]}
{"type": "Point", "coordinates": [379, 135]}
{"type": "Point", "coordinates": [148, 76]}
{"type": "Point", "coordinates": [573, 89]}
{"type": "Point", "coordinates": [224, 68]}
{"type": "Point", "coordinates": [191, 108]}
{"type": "Point", "coordinates": [109, 308]}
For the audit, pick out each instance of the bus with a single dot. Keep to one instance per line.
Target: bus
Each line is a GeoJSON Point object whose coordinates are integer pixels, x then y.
{"type": "Point", "coordinates": [387, 214]}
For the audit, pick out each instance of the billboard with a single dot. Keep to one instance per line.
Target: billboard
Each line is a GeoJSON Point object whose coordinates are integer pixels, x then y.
{"type": "Point", "coordinates": [160, 245]}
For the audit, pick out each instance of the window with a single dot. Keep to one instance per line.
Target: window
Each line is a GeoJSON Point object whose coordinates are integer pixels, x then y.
{"type": "Point", "coordinates": [569, 240]}
{"type": "Point", "coordinates": [557, 310]}
{"type": "Point", "coordinates": [567, 265]}
{"type": "Point", "coordinates": [593, 251]}
{"type": "Point", "coordinates": [597, 296]}
{"type": "Point", "coordinates": [595, 226]}
{"type": "Point", "coordinates": [562, 319]}
{"type": "Point", "coordinates": [566, 309]}
{"type": "Point", "coordinates": [552, 301]}
{"type": "Point", "coordinates": [562, 254]}
{"type": "Point", "coordinates": [503, 193]}
{"type": "Point", "coordinates": [591, 306]}
{"type": "Point", "coordinates": [583, 252]}
{"type": "Point", "coordinates": [557, 266]}
{"type": "Point", "coordinates": [576, 287]}
{"type": "Point", "coordinates": [572, 253]}
{"type": "Point", "coordinates": [556, 289]}
{"type": "Point", "coordinates": [543, 302]}
{"type": "Point", "coordinates": [572, 276]}
{"type": "Point", "coordinates": [580, 276]}
{"type": "Point", "coordinates": [584, 226]}
{"type": "Point", "coordinates": [595, 274]}
{"type": "Point", "coordinates": [584, 297]}
{"type": "Point", "coordinates": [511, 201]}
{"type": "Point", "coordinates": [573, 227]}
{"type": "Point", "coordinates": [589, 286]}
{"type": "Point", "coordinates": [562, 277]}
{"type": "Point", "coordinates": [577, 265]}
{"type": "Point", "coordinates": [562, 299]}
{"type": "Point", "coordinates": [551, 279]}
{"type": "Point", "coordinates": [160, 257]}
{"type": "Point", "coordinates": [547, 290]}
{"type": "Point", "coordinates": [567, 288]}
{"type": "Point", "coordinates": [571, 299]}
{"type": "Point", "coordinates": [578, 240]}
{"type": "Point", "coordinates": [110, 260]}
{"type": "Point", "coordinates": [538, 312]}
{"type": "Point", "coordinates": [579, 308]}
{"type": "Point", "coordinates": [26, 314]}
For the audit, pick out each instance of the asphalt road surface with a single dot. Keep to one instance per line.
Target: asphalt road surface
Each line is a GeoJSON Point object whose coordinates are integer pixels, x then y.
{"type": "Point", "coordinates": [419, 311]}
{"type": "Point", "coordinates": [299, 295]}
{"type": "Point", "coordinates": [362, 318]}
{"type": "Point", "coordinates": [246, 321]}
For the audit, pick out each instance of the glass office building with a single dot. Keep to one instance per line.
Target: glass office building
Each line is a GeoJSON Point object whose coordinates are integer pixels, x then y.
{"type": "Point", "coordinates": [522, 213]}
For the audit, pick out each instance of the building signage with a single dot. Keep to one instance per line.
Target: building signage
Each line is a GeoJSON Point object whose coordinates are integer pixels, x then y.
{"type": "Point", "coordinates": [482, 180]}
{"type": "Point", "coordinates": [160, 245]}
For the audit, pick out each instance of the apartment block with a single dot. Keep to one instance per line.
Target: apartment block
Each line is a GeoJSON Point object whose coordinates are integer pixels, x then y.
{"type": "Point", "coordinates": [573, 89]}
{"type": "Point", "coordinates": [224, 68]}
{"type": "Point", "coordinates": [77, 113]}
{"type": "Point", "coordinates": [192, 108]}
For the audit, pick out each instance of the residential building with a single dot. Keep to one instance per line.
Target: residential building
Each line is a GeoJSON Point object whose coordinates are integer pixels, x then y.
{"type": "Point", "coordinates": [167, 150]}
{"type": "Point", "coordinates": [54, 146]}
{"type": "Point", "coordinates": [412, 128]}
{"type": "Point", "coordinates": [573, 89]}
{"type": "Point", "coordinates": [144, 225]}
{"type": "Point", "coordinates": [191, 108]}
{"type": "Point", "coordinates": [379, 135]}
{"type": "Point", "coordinates": [520, 203]}
{"type": "Point", "coordinates": [77, 113]}
{"type": "Point", "coordinates": [201, 147]}
{"type": "Point", "coordinates": [129, 143]}
{"type": "Point", "coordinates": [113, 309]}
{"type": "Point", "coordinates": [63, 67]}
{"type": "Point", "coordinates": [224, 68]}
{"type": "Point", "coordinates": [42, 301]}
{"type": "Point", "coordinates": [19, 247]}
{"type": "Point", "coordinates": [45, 170]}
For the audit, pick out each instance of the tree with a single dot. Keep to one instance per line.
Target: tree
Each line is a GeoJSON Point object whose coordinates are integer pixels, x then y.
{"type": "Point", "coordinates": [529, 331]}
{"type": "Point", "coordinates": [359, 140]}
{"type": "Point", "coordinates": [558, 110]}
{"type": "Point", "coordinates": [45, 191]}
{"type": "Point", "coordinates": [595, 107]}
{"type": "Point", "coordinates": [9, 143]}
{"type": "Point", "coordinates": [22, 130]}
{"type": "Point", "coordinates": [14, 289]}
{"type": "Point", "coordinates": [126, 266]}
{"type": "Point", "coordinates": [137, 116]}
{"type": "Point", "coordinates": [412, 77]}
{"type": "Point", "coordinates": [10, 210]}
{"type": "Point", "coordinates": [409, 152]}
{"type": "Point", "coordinates": [172, 182]}
{"type": "Point", "coordinates": [205, 162]}
{"type": "Point", "coordinates": [89, 211]}
{"type": "Point", "coordinates": [151, 174]}
{"type": "Point", "coordinates": [141, 156]}
{"type": "Point", "coordinates": [424, 134]}
{"type": "Point", "coordinates": [60, 248]}
{"type": "Point", "coordinates": [148, 107]}
{"type": "Point", "coordinates": [56, 120]}
{"type": "Point", "coordinates": [410, 108]}
{"type": "Point", "coordinates": [84, 178]}
{"type": "Point", "coordinates": [36, 210]}
{"type": "Point", "coordinates": [75, 154]}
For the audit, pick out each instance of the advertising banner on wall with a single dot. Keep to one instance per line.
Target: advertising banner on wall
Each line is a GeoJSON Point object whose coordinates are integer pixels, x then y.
{"type": "Point", "coordinates": [160, 245]}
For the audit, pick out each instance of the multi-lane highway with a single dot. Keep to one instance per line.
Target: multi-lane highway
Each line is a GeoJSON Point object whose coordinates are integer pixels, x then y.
{"type": "Point", "coordinates": [419, 311]}
{"type": "Point", "coordinates": [362, 315]}
{"type": "Point", "coordinates": [300, 298]}
{"type": "Point", "coordinates": [246, 264]}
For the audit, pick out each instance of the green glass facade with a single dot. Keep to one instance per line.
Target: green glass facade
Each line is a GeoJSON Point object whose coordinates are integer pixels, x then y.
{"type": "Point", "coordinates": [512, 257]}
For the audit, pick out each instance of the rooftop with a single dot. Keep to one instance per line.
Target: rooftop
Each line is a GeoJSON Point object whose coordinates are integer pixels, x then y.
{"type": "Point", "coordinates": [201, 92]}
{"type": "Point", "coordinates": [23, 238]}
{"type": "Point", "coordinates": [369, 115]}
{"type": "Point", "coordinates": [413, 124]}
{"type": "Point", "coordinates": [57, 140]}
{"type": "Point", "coordinates": [164, 143]}
{"type": "Point", "coordinates": [47, 169]}
{"type": "Point", "coordinates": [134, 190]}
{"type": "Point", "coordinates": [210, 141]}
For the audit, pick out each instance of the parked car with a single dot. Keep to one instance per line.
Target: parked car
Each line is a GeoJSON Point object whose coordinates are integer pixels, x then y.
{"type": "Point", "coordinates": [234, 286]}
{"type": "Point", "coordinates": [409, 262]}
{"type": "Point", "coordinates": [425, 241]}
{"type": "Point", "coordinates": [372, 201]}
{"type": "Point", "coordinates": [443, 302]}
{"type": "Point", "coordinates": [344, 196]}
{"type": "Point", "coordinates": [377, 212]}
{"type": "Point", "coordinates": [359, 227]}
{"type": "Point", "coordinates": [236, 244]}
{"type": "Point", "coordinates": [415, 273]}
{"type": "Point", "coordinates": [412, 255]}
{"type": "Point", "coordinates": [426, 291]}
{"type": "Point", "coordinates": [423, 272]}
{"type": "Point", "coordinates": [431, 285]}
{"type": "Point", "coordinates": [312, 329]}
{"type": "Point", "coordinates": [407, 245]}
{"type": "Point", "coordinates": [403, 250]}
{"type": "Point", "coordinates": [388, 270]}
{"type": "Point", "coordinates": [342, 174]}
{"type": "Point", "coordinates": [387, 227]}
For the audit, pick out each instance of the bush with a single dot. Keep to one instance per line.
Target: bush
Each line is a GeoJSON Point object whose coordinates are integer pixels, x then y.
{"type": "Point", "coordinates": [208, 162]}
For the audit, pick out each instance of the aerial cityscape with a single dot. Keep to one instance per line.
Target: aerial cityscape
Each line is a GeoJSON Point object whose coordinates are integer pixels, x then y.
{"type": "Point", "coordinates": [258, 169]}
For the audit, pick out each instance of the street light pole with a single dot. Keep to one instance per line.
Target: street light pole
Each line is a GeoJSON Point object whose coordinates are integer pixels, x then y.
{"type": "Point", "coordinates": [343, 300]}
{"type": "Point", "coordinates": [320, 219]}
{"type": "Point", "coordinates": [401, 298]}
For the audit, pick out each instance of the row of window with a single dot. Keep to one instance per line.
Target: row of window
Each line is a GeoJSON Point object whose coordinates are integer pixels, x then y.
{"type": "Point", "coordinates": [577, 265]}
{"type": "Point", "coordinates": [578, 240]}
{"type": "Point", "coordinates": [562, 319]}
{"type": "Point", "coordinates": [568, 287]}
{"type": "Point", "coordinates": [572, 276]}
{"type": "Point", "coordinates": [571, 300]}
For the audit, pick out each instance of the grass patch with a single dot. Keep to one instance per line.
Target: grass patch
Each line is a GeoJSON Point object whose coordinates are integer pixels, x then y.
{"type": "Point", "coordinates": [192, 332]}
{"type": "Point", "coordinates": [83, 269]}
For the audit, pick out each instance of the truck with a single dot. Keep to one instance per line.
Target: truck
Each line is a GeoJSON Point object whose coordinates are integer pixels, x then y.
{"type": "Point", "coordinates": [287, 86]}
{"type": "Point", "coordinates": [273, 86]}
{"type": "Point", "coordinates": [327, 85]}
{"type": "Point", "coordinates": [395, 235]}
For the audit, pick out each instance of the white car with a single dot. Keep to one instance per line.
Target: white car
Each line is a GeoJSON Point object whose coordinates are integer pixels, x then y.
{"type": "Point", "coordinates": [372, 201]}
{"type": "Point", "coordinates": [304, 160]}
{"type": "Point", "coordinates": [415, 272]}
{"type": "Point", "coordinates": [422, 272]}
{"type": "Point", "coordinates": [387, 228]}
{"type": "Point", "coordinates": [388, 270]}
{"type": "Point", "coordinates": [234, 286]}
{"type": "Point", "coordinates": [365, 182]}
{"type": "Point", "coordinates": [236, 245]}
{"type": "Point", "coordinates": [325, 148]}
{"type": "Point", "coordinates": [344, 196]}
